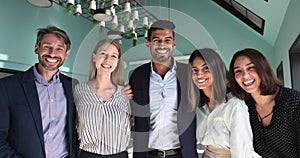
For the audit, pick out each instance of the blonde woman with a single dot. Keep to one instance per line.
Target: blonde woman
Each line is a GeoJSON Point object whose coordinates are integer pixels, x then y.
{"type": "Point", "coordinates": [103, 117]}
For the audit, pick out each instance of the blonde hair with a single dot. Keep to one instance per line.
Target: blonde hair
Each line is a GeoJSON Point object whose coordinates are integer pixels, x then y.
{"type": "Point", "coordinates": [117, 76]}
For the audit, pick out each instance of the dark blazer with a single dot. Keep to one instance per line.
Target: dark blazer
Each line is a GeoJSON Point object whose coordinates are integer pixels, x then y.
{"type": "Point", "coordinates": [139, 81]}
{"type": "Point", "coordinates": [21, 132]}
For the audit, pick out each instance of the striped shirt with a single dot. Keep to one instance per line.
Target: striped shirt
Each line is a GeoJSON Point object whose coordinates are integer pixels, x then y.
{"type": "Point", "coordinates": [103, 126]}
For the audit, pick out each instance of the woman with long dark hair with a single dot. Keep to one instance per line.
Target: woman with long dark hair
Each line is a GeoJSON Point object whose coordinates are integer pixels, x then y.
{"type": "Point", "coordinates": [223, 125]}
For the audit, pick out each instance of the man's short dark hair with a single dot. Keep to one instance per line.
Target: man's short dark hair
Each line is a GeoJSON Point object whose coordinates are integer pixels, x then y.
{"type": "Point", "coordinates": [161, 25]}
{"type": "Point", "coordinates": [53, 30]}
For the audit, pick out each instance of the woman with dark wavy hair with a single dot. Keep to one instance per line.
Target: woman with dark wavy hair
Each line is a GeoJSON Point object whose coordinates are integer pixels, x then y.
{"type": "Point", "coordinates": [223, 125]}
{"type": "Point", "coordinates": [274, 110]}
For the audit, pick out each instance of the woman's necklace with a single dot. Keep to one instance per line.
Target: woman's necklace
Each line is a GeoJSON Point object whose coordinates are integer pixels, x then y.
{"type": "Point", "coordinates": [262, 118]}
{"type": "Point", "coordinates": [266, 105]}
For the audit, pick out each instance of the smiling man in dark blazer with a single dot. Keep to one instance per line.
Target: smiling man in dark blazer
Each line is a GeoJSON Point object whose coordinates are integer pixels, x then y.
{"type": "Point", "coordinates": [37, 112]}
{"type": "Point", "coordinates": [163, 124]}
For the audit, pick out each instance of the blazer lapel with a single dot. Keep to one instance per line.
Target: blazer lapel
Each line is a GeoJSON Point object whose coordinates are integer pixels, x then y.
{"type": "Point", "coordinates": [147, 84]}
{"type": "Point", "coordinates": [69, 96]}
{"type": "Point", "coordinates": [33, 100]}
{"type": "Point", "coordinates": [67, 85]}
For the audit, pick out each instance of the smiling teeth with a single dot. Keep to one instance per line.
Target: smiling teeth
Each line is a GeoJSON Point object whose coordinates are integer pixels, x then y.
{"type": "Point", "coordinates": [200, 81]}
{"type": "Point", "coordinates": [51, 60]}
{"type": "Point", "coordinates": [248, 82]}
{"type": "Point", "coordinates": [106, 66]}
{"type": "Point", "coordinates": [161, 51]}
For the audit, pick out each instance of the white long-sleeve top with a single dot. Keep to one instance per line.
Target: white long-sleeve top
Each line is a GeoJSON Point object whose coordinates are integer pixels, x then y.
{"type": "Point", "coordinates": [227, 126]}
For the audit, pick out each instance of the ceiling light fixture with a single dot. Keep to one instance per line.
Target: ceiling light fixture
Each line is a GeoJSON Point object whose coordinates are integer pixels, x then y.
{"type": "Point", "coordinates": [92, 5]}
{"type": "Point", "coordinates": [115, 2]}
{"type": "Point", "coordinates": [122, 28]}
{"type": "Point", "coordinates": [102, 14]}
{"type": "Point", "coordinates": [113, 34]}
{"type": "Point", "coordinates": [78, 10]}
{"type": "Point", "coordinates": [41, 3]}
{"type": "Point", "coordinates": [129, 17]}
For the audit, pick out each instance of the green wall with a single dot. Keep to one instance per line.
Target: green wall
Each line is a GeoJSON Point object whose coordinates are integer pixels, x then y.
{"type": "Point", "coordinates": [229, 33]}
{"type": "Point", "coordinates": [18, 27]}
{"type": "Point", "coordinates": [199, 24]}
{"type": "Point", "coordinates": [290, 29]}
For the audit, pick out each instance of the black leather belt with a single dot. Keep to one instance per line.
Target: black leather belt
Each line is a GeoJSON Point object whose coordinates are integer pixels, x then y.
{"type": "Point", "coordinates": [165, 153]}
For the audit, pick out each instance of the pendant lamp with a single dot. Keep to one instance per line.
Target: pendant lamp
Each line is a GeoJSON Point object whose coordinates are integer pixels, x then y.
{"type": "Point", "coordinates": [102, 14]}
{"type": "Point", "coordinates": [41, 3]}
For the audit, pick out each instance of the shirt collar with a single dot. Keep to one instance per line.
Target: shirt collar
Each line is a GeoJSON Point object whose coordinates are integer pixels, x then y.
{"type": "Point", "coordinates": [39, 78]}
{"type": "Point", "coordinates": [173, 69]}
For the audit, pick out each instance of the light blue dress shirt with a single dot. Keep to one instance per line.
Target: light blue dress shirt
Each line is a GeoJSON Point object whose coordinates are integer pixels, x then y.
{"type": "Point", "coordinates": [163, 110]}
{"type": "Point", "coordinates": [227, 126]}
{"type": "Point", "coordinates": [53, 104]}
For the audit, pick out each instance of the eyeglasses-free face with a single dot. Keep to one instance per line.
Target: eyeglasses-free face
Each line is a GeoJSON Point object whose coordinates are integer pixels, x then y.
{"type": "Point", "coordinates": [246, 75]}
{"type": "Point", "coordinates": [161, 45]}
{"type": "Point", "coordinates": [201, 75]}
{"type": "Point", "coordinates": [106, 60]}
